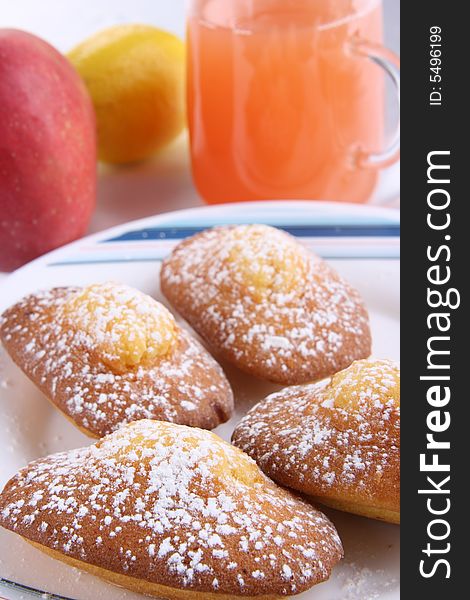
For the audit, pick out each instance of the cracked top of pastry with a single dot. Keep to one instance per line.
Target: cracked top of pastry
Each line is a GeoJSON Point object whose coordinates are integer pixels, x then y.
{"type": "Point", "coordinates": [265, 260]}
{"type": "Point", "coordinates": [126, 327]}
{"type": "Point", "coordinates": [369, 381]}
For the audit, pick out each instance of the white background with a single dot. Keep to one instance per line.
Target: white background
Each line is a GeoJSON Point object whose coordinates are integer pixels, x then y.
{"type": "Point", "coordinates": [65, 22]}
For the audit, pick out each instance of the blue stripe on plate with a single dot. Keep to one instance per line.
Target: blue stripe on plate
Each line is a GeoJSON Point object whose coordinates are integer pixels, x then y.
{"type": "Point", "coordinates": [179, 233]}
{"type": "Point", "coordinates": [145, 259]}
{"type": "Point", "coordinates": [281, 216]}
{"type": "Point", "coordinates": [21, 588]}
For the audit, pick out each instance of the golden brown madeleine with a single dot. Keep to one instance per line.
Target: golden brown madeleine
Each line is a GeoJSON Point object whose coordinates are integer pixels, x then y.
{"type": "Point", "coordinates": [171, 511]}
{"type": "Point", "coordinates": [108, 354]}
{"type": "Point", "coordinates": [266, 304]}
{"type": "Point", "coordinates": [337, 440]}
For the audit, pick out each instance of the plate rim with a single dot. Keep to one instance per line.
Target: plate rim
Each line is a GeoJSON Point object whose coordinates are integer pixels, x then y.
{"type": "Point", "coordinates": [391, 214]}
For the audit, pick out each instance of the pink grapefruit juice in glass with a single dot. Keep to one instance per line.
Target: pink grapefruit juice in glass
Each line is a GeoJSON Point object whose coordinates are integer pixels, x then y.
{"type": "Point", "coordinates": [284, 100]}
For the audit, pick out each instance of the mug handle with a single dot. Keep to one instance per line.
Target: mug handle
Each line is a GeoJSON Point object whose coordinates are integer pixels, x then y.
{"type": "Point", "coordinates": [390, 63]}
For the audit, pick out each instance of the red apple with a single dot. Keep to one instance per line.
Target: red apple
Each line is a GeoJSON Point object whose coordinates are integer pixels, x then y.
{"type": "Point", "coordinates": [47, 150]}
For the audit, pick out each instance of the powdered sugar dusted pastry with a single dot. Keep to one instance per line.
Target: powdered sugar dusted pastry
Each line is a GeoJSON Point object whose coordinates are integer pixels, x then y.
{"type": "Point", "coordinates": [265, 303]}
{"type": "Point", "coordinates": [108, 354]}
{"type": "Point", "coordinates": [337, 440]}
{"type": "Point", "coordinates": [174, 512]}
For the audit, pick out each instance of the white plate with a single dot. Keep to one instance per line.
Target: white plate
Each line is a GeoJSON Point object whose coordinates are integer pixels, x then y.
{"type": "Point", "coordinates": [363, 245]}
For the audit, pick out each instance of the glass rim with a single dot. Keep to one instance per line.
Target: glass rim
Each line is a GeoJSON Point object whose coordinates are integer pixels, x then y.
{"type": "Point", "coordinates": [368, 6]}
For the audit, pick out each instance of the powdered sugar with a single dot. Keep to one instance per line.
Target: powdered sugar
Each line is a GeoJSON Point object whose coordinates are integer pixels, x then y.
{"type": "Point", "coordinates": [186, 386]}
{"type": "Point", "coordinates": [125, 326]}
{"type": "Point", "coordinates": [264, 302]}
{"type": "Point", "coordinates": [195, 506]}
{"type": "Point", "coordinates": [314, 438]}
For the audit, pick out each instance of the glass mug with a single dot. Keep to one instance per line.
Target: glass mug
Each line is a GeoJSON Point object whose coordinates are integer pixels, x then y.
{"type": "Point", "coordinates": [286, 99]}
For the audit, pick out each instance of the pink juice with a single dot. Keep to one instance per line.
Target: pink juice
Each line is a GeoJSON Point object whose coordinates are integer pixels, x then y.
{"type": "Point", "coordinates": [279, 101]}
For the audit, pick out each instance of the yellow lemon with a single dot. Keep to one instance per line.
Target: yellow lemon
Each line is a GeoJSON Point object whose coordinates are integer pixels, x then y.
{"type": "Point", "coordinates": [135, 76]}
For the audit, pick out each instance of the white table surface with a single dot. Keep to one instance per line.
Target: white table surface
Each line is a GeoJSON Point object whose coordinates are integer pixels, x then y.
{"type": "Point", "coordinates": [164, 183]}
